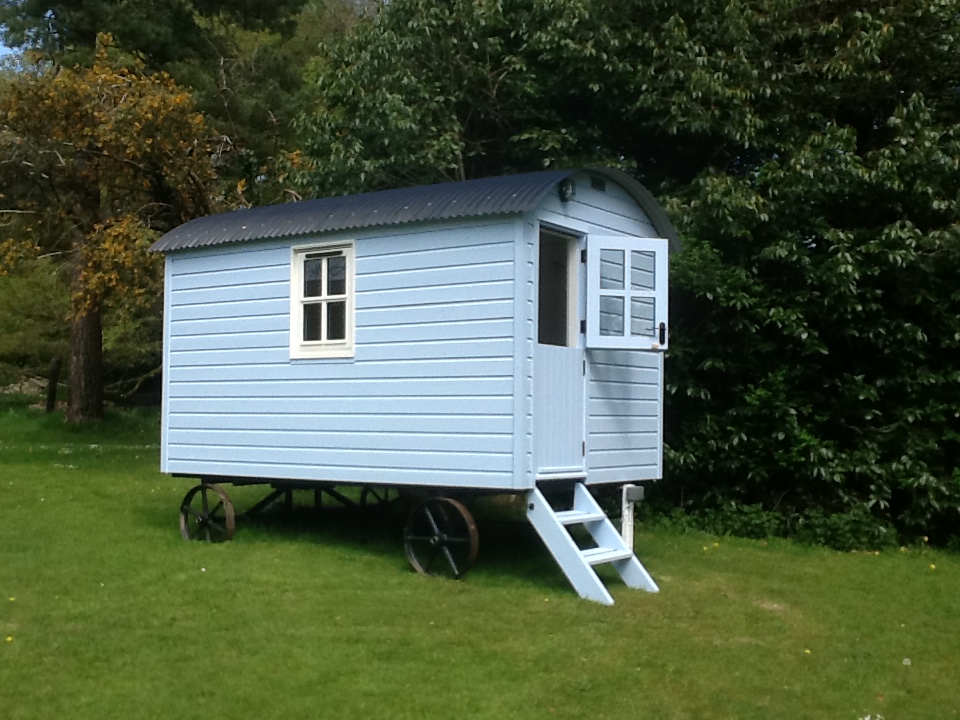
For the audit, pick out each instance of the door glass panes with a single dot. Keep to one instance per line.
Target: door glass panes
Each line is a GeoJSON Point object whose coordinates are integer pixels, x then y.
{"type": "Point", "coordinates": [611, 269]}
{"type": "Point", "coordinates": [313, 277]}
{"type": "Point", "coordinates": [642, 270]}
{"type": "Point", "coordinates": [311, 322]}
{"type": "Point", "coordinates": [337, 276]}
{"type": "Point", "coordinates": [642, 313]}
{"type": "Point", "coordinates": [611, 315]}
{"type": "Point", "coordinates": [336, 320]}
{"type": "Point", "coordinates": [626, 292]}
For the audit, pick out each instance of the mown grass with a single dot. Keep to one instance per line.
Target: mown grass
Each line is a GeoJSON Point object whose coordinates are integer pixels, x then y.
{"type": "Point", "coordinates": [111, 615]}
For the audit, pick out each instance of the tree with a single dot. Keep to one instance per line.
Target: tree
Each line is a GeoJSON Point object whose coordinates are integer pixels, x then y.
{"type": "Point", "coordinates": [424, 91]}
{"type": "Point", "coordinates": [242, 61]}
{"type": "Point", "coordinates": [96, 162]}
{"type": "Point", "coordinates": [808, 153]}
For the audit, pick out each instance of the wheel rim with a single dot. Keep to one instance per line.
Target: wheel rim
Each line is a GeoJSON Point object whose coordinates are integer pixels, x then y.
{"type": "Point", "coordinates": [207, 514]}
{"type": "Point", "coordinates": [441, 538]}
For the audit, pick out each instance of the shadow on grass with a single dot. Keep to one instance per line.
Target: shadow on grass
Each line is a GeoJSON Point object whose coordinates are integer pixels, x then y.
{"type": "Point", "coordinates": [509, 548]}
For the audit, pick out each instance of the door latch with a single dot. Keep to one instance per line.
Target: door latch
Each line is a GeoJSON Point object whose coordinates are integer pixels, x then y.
{"type": "Point", "coordinates": [663, 333]}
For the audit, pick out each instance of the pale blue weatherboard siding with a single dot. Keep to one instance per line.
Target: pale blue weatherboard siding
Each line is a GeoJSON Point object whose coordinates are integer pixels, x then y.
{"type": "Point", "coordinates": [624, 420]}
{"type": "Point", "coordinates": [427, 399]}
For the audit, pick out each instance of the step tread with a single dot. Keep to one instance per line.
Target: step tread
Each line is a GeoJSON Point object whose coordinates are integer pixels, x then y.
{"type": "Point", "coordinates": [573, 517]}
{"type": "Point", "coordinates": [598, 555]}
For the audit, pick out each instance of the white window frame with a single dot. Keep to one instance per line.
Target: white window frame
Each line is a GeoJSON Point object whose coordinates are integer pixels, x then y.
{"type": "Point", "coordinates": [626, 244]}
{"type": "Point", "coordinates": [305, 349]}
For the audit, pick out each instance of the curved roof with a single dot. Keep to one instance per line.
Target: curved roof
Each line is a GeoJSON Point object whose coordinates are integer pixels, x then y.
{"type": "Point", "coordinates": [471, 198]}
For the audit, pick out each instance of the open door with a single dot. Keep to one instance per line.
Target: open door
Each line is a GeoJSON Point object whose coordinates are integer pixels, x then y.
{"type": "Point", "coordinates": [626, 293]}
{"type": "Point", "coordinates": [558, 372]}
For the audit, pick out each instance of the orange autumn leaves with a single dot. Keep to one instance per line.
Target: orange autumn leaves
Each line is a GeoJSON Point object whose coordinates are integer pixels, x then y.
{"type": "Point", "coordinates": [98, 161]}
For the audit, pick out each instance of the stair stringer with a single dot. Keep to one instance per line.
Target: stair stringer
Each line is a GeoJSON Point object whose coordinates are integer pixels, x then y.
{"type": "Point", "coordinates": [572, 560]}
{"type": "Point", "coordinates": [564, 550]}
{"type": "Point", "coordinates": [606, 535]}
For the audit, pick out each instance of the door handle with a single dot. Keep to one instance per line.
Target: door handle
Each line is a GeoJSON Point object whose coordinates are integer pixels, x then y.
{"type": "Point", "coordinates": [663, 333]}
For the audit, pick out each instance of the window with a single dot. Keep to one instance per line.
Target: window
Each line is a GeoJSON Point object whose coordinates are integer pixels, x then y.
{"type": "Point", "coordinates": [627, 293]}
{"type": "Point", "coordinates": [321, 302]}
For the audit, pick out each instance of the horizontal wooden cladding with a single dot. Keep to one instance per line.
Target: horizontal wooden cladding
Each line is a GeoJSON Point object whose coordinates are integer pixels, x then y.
{"type": "Point", "coordinates": [618, 475]}
{"type": "Point", "coordinates": [616, 441]}
{"type": "Point", "coordinates": [234, 325]}
{"type": "Point", "coordinates": [404, 423]}
{"type": "Point", "coordinates": [220, 342]}
{"type": "Point", "coordinates": [246, 277]}
{"type": "Point", "coordinates": [314, 390]}
{"type": "Point", "coordinates": [404, 442]}
{"type": "Point", "coordinates": [261, 368]}
{"type": "Point", "coordinates": [342, 458]}
{"type": "Point", "coordinates": [229, 294]}
{"type": "Point", "coordinates": [617, 374]}
{"type": "Point", "coordinates": [235, 311]}
{"type": "Point", "coordinates": [429, 477]}
{"type": "Point", "coordinates": [623, 408]}
{"type": "Point", "coordinates": [413, 297]}
{"type": "Point", "coordinates": [466, 351]}
{"type": "Point", "coordinates": [624, 425]}
{"type": "Point", "coordinates": [464, 404]}
{"type": "Point", "coordinates": [237, 257]}
{"type": "Point", "coordinates": [271, 331]}
{"type": "Point", "coordinates": [624, 391]}
{"type": "Point", "coordinates": [444, 313]}
{"type": "Point", "coordinates": [623, 458]}
{"type": "Point", "coordinates": [431, 332]}
{"type": "Point", "coordinates": [434, 279]}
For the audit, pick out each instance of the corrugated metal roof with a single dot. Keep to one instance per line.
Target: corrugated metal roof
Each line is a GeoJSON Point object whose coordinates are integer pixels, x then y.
{"type": "Point", "coordinates": [471, 198]}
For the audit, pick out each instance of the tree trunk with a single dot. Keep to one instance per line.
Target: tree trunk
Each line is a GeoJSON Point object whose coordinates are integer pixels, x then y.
{"type": "Point", "coordinates": [86, 368]}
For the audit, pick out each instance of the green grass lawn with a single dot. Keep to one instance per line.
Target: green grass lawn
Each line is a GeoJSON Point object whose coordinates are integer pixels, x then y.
{"type": "Point", "coordinates": [106, 613]}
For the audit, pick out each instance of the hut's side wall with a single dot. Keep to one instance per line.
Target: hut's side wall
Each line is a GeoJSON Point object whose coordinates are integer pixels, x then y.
{"type": "Point", "coordinates": [428, 398]}
{"type": "Point", "coordinates": [624, 390]}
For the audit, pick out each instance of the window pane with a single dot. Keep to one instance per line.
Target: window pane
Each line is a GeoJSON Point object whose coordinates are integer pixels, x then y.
{"type": "Point", "coordinates": [642, 312]}
{"type": "Point", "coordinates": [611, 269]}
{"type": "Point", "coordinates": [337, 275]}
{"type": "Point", "coordinates": [313, 277]}
{"type": "Point", "coordinates": [336, 320]}
{"type": "Point", "coordinates": [642, 270]}
{"type": "Point", "coordinates": [611, 315]}
{"type": "Point", "coordinates": [311, 321]}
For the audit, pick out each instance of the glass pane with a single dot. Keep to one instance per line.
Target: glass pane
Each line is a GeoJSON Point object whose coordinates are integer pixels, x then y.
{"type": "Point", "coordinates": [611, 315]}
{"type": "Point", "coordinates": [337, 275]}
{"type": "Point", "coordinates": [642, 270]}
{"type": "Point", "coordinates": [642, 312]}
{"type": "Point", "coordinates": [336, 320]}
{"type": "Point", "coordinates": [311, 321]}
{"type": "Point", "coordinates": [611, 269]}
{"type": "Point", "coordinates": [313, 277]}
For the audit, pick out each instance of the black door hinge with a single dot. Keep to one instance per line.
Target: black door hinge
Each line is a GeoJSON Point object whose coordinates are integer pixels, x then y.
{"type": "Point", "coordinates": [583, 327]}
{"type": "Point", "coordinates": [583, 256]}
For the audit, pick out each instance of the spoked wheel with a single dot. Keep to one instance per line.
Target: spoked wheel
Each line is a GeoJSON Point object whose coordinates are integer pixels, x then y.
{"type": "Point", "coordinates": [441, 538]}
{"type": "Point", "coordinates": [206, 513]}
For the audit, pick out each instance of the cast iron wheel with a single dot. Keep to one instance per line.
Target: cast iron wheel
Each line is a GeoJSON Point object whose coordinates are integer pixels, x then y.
{"type": "Point", "coordinates": [206, 513]}
{"type": "Point", "coordinates": [441, 538]}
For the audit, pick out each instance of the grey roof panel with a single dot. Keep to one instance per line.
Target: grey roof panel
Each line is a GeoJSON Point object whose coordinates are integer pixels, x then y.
{"type": "Point", "coordinates": [486, 196]}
